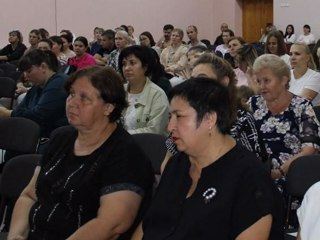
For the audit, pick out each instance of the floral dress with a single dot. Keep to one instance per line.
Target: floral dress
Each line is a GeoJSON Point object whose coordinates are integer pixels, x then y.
{"type": "Point", "coordinates": [287, 133]}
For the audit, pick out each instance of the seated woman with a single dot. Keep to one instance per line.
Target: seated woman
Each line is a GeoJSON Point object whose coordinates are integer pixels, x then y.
{"type": "Point", "coordinates": [146, 39]}
{"type": "Point", "coordinates": [307, 37]}
{"type": "Point", "coordinates": [304, 79]}
{"type": "Point", "coordinates": [34, 38]}
{"type": "Point", "coordinates": [67, 39]}
{"type": "Point", "coordinates": [82, 58]}
{"type": "Point", "coordinates": [174, 58]}
{"type": "Point", "coordinates": [148, 104]}
{"type": "Point", "coordinates": [45, 102]}
{"type": "Point", "coordinates": [93, 177]}
{"type": "Point", "coordinates": [57, 49]}
{"type": "Point", "coordinates": [14, 50]}
{"type": "Point", "coordinates": [275, 45]}
{"type": "Point", "coordinates": [287, 122]}
{"type": "Point", "coordinates": [214, 188]}
{"type": "Point", "coordinates": [289, 37]}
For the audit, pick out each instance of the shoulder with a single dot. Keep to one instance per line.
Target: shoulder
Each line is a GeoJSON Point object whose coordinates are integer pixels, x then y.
{"type": "Point", "coordinates": [154, 89]}
{"type": "Point", "coordinates": [313, 74]}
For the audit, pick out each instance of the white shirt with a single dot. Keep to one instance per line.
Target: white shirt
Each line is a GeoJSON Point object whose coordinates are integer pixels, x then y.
{"type": "Point", "coordinates": [309, 214]}
{"type": "Point", "coordinates": [130, 119]}
{"type": "Point", "coordinates": [310, 80]}
{"type": "Point", "coordinates": [286, 59]}
{"type": "Point", "coordinates": [307, 39]}
{"type": "Point", "coordinates": [222, 48]}
{"type": "Point", "coordinates": [291, 39]}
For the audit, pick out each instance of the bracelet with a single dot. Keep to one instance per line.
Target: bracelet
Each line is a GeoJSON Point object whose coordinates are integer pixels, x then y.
{"type": "Point", "coordinates": [282, 172]}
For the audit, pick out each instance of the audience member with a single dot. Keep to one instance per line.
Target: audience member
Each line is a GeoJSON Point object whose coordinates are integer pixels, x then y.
{"type": "Point", "coordinates": [219, 39]}
{"type": "Point", "coordinates": [287, 122]}
{"type": "Point", "coordinates": [57, 49]}
{"type": "Point", "coordinates": [67, 39]}
{"type": "Point", "coordinates": [93, 177]}
{"type": "Point", "coordinates": [14, 50]}
{"type": "Point", "coordinates": [122, 41]}
{"type": "Point", "coordinates": [34, 38]}
{"type": "Point", "coordinates": [192, 33]}
{"type": "Point", "coordinates": [44, 33]}
{"type": "Point", "coordinates": [146, 39]}
{"type": "Point", "coordinates": [44, 103]}
{"type": "Point", "coordinates": [307, 37]}
{"type": "Point", "coordinates": [133, 40]}
{"type": "Point", "coordinates": [264, 32]}
{"type": "Point", "coordinates": [289, 37]}
{"type": "Point", "coordinates": [193, 55]}
{"type": "Point", "coordinates": [316, 55]}
{"type": "Point", "coordinates": [275, 45]}
{"type": "Point", "coordinates": [108, 45]}
{"type": "Point", "coordinates": [166, 38]}
{"type": "Point", "coordinates": [45, 44]}
{"type": "Point", "coordinates": [95, 45]}
{"type": "Point", "coordinates": [305, 81]}
{"type": "Point", "coordinates": [82, 58]}
{"type": "Point", "coordinates": [213, 188]}
{"type": "Point", "coordinates": [174, 58]}
{"type": "Point", "coordinates": [222, 49]}
{"type": "Point", "coordinates": [148, 104]}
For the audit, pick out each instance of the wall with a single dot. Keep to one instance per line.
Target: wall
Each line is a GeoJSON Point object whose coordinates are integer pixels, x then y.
{"type": "Point", "coordinates": [297, 13]}
{"type": "Point", "coordinates": [81, 16]}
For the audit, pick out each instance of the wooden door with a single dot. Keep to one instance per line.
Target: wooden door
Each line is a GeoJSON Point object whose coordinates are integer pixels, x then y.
{"type": "Point", "coordinates": [255, 15]}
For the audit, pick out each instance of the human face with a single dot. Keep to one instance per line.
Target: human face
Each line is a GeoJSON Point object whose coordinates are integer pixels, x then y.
{"type": "Point", "coordinates": [43, 46]}
{"type": "Point", "coordinates": [132, 69]}
{"type": "Point", "coordinates": [130, 30]}
{"type": "Point", "coordinates": [79, 48]}
{"type": "Point", "coordinates": [33, 39]}
{"type": "Point", "coordinates": [289, 29]}
{"type": "Point", "coordinates": [175, 38]}
{"type": "Point", "coordinates": [36, 75]}
{"type": "Point", "coordinates": [13, 38]}
{"type": "Point", "coordinates": [84, 107]}
{"type": "Point", "coordinates": [191, 33]}
{"type": "Point", "coordinates": [120, 41]}
{"type": "Point", "coordinates": [233, 46]}
{"type": "Point", "coordinates": [225, 37]}
{"type": "Point", "coordinates": [269, 85]}
{"type": "Point", "coordinates": [65, 44]}
{"type": "Point", "coordinates": [97, 34]}
{"type": "Point", "coordinates": [56, 48]}
{"type": "Point", "coordinates": [298, 57]}
{"type": "Point", "coordinates": [167, 34]}
{"type": "Point", "coordinates": [306, 31]}
{"type": "Point", "coordinates": [273, 45]}
{"type": "Point", "coordinates": [186, 133]}
{"type": "Point", "coordinates": [106, 42]}
{"type": "Point", "coordinates": [203, 70]}
{"type": "Point", "coordinates": [144, 41]}
{"type": "Point", "coordinates": [223, 27]}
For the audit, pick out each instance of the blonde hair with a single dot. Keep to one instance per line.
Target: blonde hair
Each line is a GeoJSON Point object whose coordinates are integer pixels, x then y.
{"type": "Point", "coordinates": [306, 49]}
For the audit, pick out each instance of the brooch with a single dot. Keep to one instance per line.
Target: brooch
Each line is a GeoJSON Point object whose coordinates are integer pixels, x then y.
{"type": "Point", "coordinates": [209, 194]}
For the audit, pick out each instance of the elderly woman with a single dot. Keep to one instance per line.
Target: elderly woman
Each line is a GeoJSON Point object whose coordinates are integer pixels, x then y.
{"type": "Point", "coordinates": [14, 50]}
{"type": "Point", "coordinates": [93, 177]}
{"type": "Point", "coordinates": [174, 58]}
{"type": "Point", "coordinates": [286, 121]}
{"type": "Point", "coordinates": [148, 104]}
{"type": "Point", "coordinates": [44, 103]}
{"type": "Point", "coordinates": [213, 188]}
{"type": "Point", "coordinates": [122, 41]}
{"type": "Point", "coordinates": [305, 81]}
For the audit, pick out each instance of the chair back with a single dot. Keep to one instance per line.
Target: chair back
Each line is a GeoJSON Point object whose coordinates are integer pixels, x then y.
{"type": "Point", "coordinates": [15, 176]}
{"type": "Point", "coordinates": [8, 89]}
{"type": "Point", "coordinates": [8, 68]}
{"type": "Point", "coordinates": [20, 135]}
{"type": "Point", "coordinates": [302, 174]}
{"type": "Point", "coordinates": [153, 145]}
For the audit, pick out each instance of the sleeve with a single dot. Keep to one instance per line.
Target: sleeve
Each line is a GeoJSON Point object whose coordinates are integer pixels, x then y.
{"type": "Point", "coordinates": [50, 105]}
{"type": "Point", "coordinates": [127, 168]}
{"type": "Point", "coordinates": [158, 116]}
{"type": "Point", "coordinates": [5, 51]}
{"type": "Point", "coordinates": [309, 127]}
{"type": "Point", "coordinates": [313, 82]}
{"type": "Point", "coordinates": [254, 199]}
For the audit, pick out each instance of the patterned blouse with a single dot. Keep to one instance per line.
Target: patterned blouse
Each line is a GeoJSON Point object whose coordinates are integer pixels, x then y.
{"type": "Point", "coordinates": [287, 133]}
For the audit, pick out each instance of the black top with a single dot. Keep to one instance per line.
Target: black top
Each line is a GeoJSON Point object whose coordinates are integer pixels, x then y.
{"type": "Point", "coordinates": [232, 194]}
{"type": "Point", "coordinates": [13, 54]}
{"type": "Point", "coordinates": [69, 187]}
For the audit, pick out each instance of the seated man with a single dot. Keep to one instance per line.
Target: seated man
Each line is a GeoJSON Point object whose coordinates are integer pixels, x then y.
{"type": "Point", "coordinates": [107, 43]}
{"type": "Point", "coordinates": [165, 40]}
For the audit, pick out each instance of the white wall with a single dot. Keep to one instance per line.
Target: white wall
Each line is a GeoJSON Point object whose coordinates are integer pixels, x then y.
{"type": "Point", "coordinates": [297, 13]}
{"type": "Point", "coordinates": [81, 16]}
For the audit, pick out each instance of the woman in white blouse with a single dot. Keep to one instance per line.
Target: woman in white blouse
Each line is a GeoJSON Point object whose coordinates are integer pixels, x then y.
{"type": "Point", "coordinates": [307, 37]}
{"type": "Point", "coordinates": [275, 45]}
{"type": "Point", "coordinates": [289, 36]}
{"type": "Point", "coordinates": [305, 81]}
